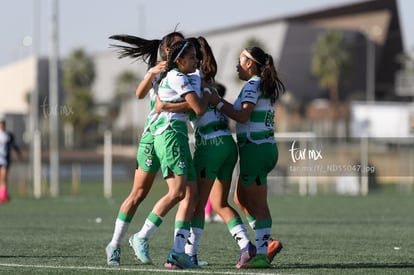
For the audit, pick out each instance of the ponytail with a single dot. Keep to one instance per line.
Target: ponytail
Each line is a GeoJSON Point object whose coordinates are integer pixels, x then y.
{"type": "Point", "coordinates": [140, 48]}
{"type": "Point", "coordinates": [270, 83]}
{"type": "Point", "coordinates": [144, 49]}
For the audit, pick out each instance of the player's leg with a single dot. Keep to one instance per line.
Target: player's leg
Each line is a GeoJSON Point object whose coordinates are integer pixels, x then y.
{"type": "Point", "coordinates": [219, 199]}
{"type": "Point", "coordinates": [145, 172]}
{"type": "Point", "coordinates": [4, 195]}
{"type": "Point", "coordinates": [198, 220]}
{"type": "Point", "coordinates": [177, 256]}
{"type": "Point", "coordinates": [208, 211]}
{"type": "Point", "coordinates": [142, 185]}
{"type": "Point", "coordinates": [256, 161]}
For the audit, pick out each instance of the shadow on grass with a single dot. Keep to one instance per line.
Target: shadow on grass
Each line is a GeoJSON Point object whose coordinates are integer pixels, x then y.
{"type": "Point", "coordinates": [347, 266]}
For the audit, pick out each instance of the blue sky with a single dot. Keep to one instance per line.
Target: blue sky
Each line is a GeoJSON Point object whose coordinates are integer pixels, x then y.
{"type": "Point", "coordinates": [88, 23]}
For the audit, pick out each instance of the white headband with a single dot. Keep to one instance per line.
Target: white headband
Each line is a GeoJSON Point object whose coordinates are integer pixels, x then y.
{"type": "Point", "coordinates": [181, 51]}
{"type": "Point", "coordinates": [248, 55]}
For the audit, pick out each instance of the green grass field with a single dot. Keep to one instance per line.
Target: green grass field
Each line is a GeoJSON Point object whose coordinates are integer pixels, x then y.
{"type": "Point", "coordinates": [324, 234]}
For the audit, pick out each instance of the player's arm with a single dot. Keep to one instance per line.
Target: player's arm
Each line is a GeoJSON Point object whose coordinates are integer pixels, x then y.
{"type": "Point", "coordinates": [198, 105]}
{"type": "Point", "coordinates": [146, 84]}
{"type": "Point", "coordinates": [227, 108]}
{"type": "Point", "coordinates": [178, 107]}
{"type": "Point", "coordinates": [14, 146]}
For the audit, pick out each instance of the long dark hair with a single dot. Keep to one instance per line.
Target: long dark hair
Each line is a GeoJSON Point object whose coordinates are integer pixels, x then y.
{"type": "Point", "coordinates": [208, 64]}
{"type": "Point", "coordinates": [144, 49]}
{"type": "Point", "coordinates": [270, 83]}
{"type": "Point", "coordinates": [204, 53]}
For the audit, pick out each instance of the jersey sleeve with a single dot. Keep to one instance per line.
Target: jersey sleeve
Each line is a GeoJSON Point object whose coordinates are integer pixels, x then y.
{"type": "Point", "coordinates": [155, 80]}
{"type": "Point", "coordinates": [181, 84]}
{"type": "Point", "coordinates": [250, 92]}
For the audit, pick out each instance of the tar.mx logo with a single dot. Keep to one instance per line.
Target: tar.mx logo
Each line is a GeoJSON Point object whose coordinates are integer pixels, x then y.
{"type": "Point", "coordinates": [304, 154]}
{"type": "Point", "coordinates": [62, 110]}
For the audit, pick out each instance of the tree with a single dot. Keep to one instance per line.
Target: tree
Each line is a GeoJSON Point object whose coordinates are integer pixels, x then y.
{"type": "Point", "coordinates": [404, 79]}
{"type": "Point", "coordinates": [330, 57]}
{"type": "Point", "coordinates": [79, 74]}
{"type": "Point", "coordinates": [125, 85]}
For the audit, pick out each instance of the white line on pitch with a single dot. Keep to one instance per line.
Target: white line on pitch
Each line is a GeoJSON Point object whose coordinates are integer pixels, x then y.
{"type": "Point", "coordinates": [192, 271]}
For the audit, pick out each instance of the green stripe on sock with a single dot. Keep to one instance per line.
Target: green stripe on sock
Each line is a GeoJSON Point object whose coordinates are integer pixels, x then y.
{"type": "Point", "coordinates": [234, 222]}
{"type": "Point", "coordinates": [182, 225]}
{"type": "Point", "coordinates": [250, 218]}
{"type": "Point", "coordinates": [267, 223]}
{"type": "Point", "coordinates": [125, 217]}
{"type": "Point", "coordinates": [198, 223]}
{"type": "Point", "coordinates": [155, 219]}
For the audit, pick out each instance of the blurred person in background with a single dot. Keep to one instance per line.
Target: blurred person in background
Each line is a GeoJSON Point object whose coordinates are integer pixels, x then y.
{"type": "Point", "coordinates": [7, 143]}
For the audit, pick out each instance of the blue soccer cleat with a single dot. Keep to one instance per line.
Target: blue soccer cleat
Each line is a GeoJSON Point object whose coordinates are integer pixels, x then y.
{"type": "Point", "coordinates": [113, 255]}
{"type": "Point", "coordinates": [141, 248]}
{"type": "Point", "coordinates": [179, 261]}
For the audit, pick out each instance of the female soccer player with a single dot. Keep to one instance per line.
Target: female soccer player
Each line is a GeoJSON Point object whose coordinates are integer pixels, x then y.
{"type": "Point", "coordinates": [147, 161]}
{"type": "Point", "coordinates": [254, 112]}
{"type": "Point", "coordinates": [172, 147]}
{"type": "Point", "coordinates": [215, 155]}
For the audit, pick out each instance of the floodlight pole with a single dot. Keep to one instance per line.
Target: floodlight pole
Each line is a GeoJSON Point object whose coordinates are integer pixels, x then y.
{"type": "Point", "coordinates": [54, 103]}
{"type": "Point", "coordinates": [34, 99]}
{"type": "Point", "coordinates": [35, 157]}
{"type": "Point", "coordinates": [370, 98]}
{"type": "Point", "coordinates": [108, 164]}
{"type": "Point", "coordinates": [370, 69]}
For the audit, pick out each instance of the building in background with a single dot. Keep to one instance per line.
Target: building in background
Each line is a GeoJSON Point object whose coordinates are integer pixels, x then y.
{"type": "Point", "coordinates": [304, 114]}
{"type": "Point", "coordinates": [288, 39]}
{"type": "Point", "coordinates": [17, 83]}
{"type": "Point", "coordinates": [371, 28]}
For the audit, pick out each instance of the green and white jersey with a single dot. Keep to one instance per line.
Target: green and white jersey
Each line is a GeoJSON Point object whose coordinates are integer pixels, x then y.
{"type": "Point", "coordinates": [172, 89]}
{"type": "Point", "coordinates": [152, 116]}
{"type": "Point", "coordinates": [260, 126]}
{"type": "Point", "coordinates": [195, 80]}
{"type": "Point", "coordinates": [212, 123]}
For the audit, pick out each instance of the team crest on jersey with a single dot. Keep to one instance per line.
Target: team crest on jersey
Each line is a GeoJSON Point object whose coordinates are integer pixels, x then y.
{"type": "Point", "coordinates": [181, 164]}
{"type": "Point", "coordinates": [185, 84]}
{"type": "Point", "coordinates": [249, 94]}
{"type": "Point", "coordinates": [148, 162]}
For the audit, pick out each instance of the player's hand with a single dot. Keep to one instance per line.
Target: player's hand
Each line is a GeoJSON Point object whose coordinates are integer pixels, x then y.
{"type": "Point", "coordinates": [160, 67]}
{"type": "Point", "coordinates": [214, 98]}
{"type": "Point", "coordinates": [159, 105]}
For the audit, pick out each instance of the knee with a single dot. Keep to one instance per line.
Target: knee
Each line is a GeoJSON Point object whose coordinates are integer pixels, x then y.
{"type": "Point", "coordinates": [180, 195]}
{"type": "Point", "coordinates": [138, 196]}
{"type": "Point", "coordinates": [218, 204]}
{"type": "Point", "coordinates": [176, 195]}
{"type": "Point", "coordinates": [194, 198]}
